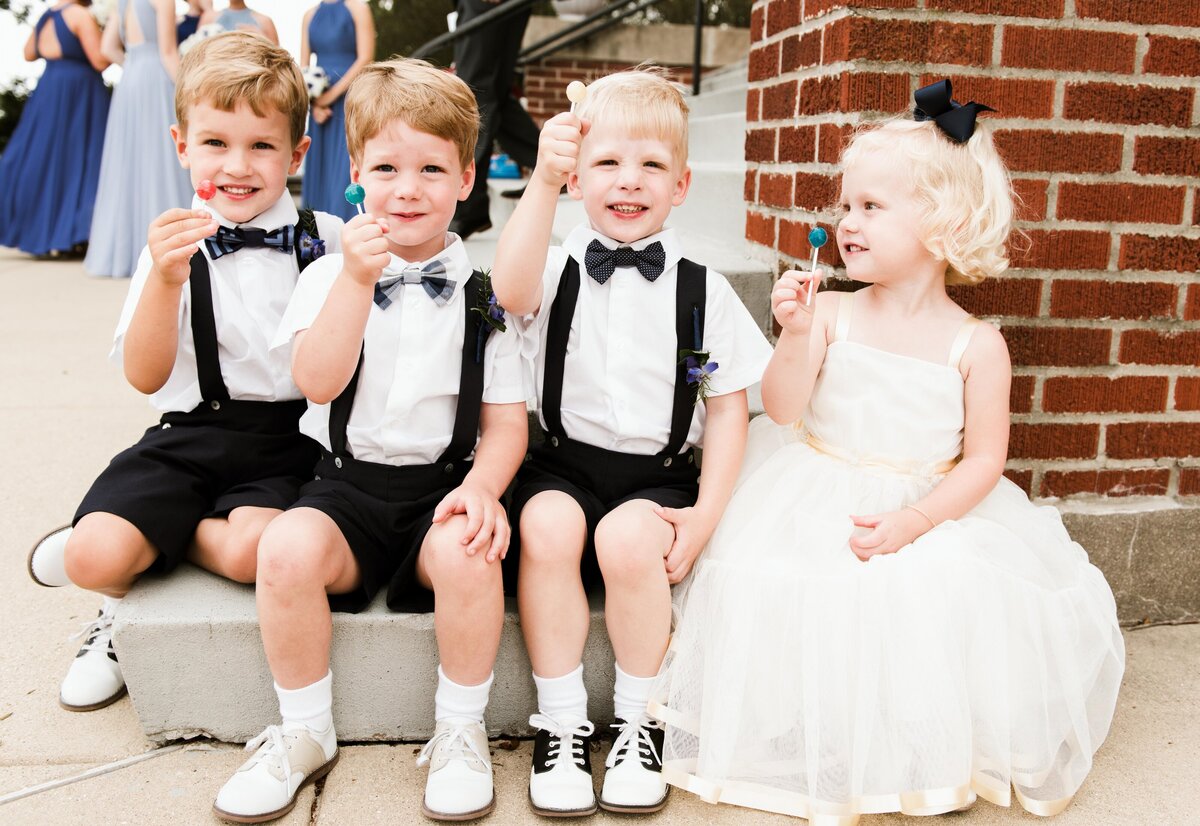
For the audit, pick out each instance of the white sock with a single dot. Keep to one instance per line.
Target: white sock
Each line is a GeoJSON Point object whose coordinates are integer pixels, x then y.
{"type": "Point", "coordinates": [461, 701]}
{"type": "Point", "coordinates": [110, 605]}
{"type": "Point", "coordinates": [631, 695]}
{"type": "Point", "coordinates": [563, 698]}
{"type": "Point", "coordinates": [310, 706]}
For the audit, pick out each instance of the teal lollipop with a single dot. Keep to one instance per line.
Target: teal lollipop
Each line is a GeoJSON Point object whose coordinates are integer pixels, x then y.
{"type": "Point", "coordinates": [355, 194]}
{"type": "Point", "coordinates": [818, 238]}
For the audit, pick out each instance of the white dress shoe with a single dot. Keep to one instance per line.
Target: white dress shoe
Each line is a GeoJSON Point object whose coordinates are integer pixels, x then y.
{"type": "Point", "coordinates": [459, 786]}
{"type": "Point", "coordinates": [560, 781]}
{"type": "Point", "coordinates": [46, 560]}
{"type": "Point", "coordinates": [633, 780]}
{"type": "Point", "coordinates": [287, 759]}
{"type": "Point", "coordinates": [94, 679]}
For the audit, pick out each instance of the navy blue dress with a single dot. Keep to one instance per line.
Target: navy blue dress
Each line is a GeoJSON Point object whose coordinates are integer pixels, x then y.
{"type": "Point", "coordinates": [49, 169]}
{"type": "Point", "coordinates": [332, 38]}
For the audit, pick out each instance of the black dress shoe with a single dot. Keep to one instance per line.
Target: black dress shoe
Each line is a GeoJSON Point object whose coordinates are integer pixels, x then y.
{"type": "Point", "coordinates": [464, 229]}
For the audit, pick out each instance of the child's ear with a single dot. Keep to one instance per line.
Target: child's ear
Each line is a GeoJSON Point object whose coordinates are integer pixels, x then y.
{"type": "Point", "coordinates": [573, 186]}
{"type": "Point", "coordinates": [180, 141]}
{"type": "Point", "coordinates": [681, 187]}
{"type": "Point", "coordinates": [298, 154]}
{"type": "Point", "coordinates": [355, 172]}
{"type": "Point", "coordinates": [468, 181]}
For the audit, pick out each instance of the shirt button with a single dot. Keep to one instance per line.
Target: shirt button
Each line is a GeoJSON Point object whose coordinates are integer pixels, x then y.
{"type": "Point", "coordinates": [449, 468]}
{"type": "Point", "coordinates": [667, 462]}
{"type": "Point", "coordinates": [166, 426]}
{"type": "Point", "coordinates": [554, 441]}
{"type": "Point", "coordinates": [337, 461]}
{"type": "Point", "coordinates": [215, 405]}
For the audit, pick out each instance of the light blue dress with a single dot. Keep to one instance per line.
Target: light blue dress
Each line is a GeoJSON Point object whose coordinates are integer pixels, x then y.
{"type": "Point", "coordinates": [49, 169]}
{"type": "Point", "coordinates": [331, 37]}
{"type": "Point", "coordinates": [140, 175]}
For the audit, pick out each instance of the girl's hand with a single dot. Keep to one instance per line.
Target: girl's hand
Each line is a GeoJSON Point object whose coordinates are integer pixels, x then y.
{"type": "Point", "coordinates": [487, 527]}
{"type": "Point", "coordinates": [173, 238]}
{"type": "Point", "coordinates": [320, 113]}
{"type": "Point", "coordinates": [364, 248]}
{"type": "Point", "coordinates": [788, 301]}
{"type": "Point", "coordinates": [890, 532]}
{"type": "Point", "coordinates": [558, 148]}
{"type": "Point", "coordinates": [692, 532]}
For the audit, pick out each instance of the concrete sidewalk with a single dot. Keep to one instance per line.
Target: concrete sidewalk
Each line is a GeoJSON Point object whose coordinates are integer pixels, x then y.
{"type": "Point", "coordinates": [66, 410]}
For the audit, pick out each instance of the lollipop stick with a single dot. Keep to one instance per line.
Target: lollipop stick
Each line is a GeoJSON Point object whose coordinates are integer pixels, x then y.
{"type": "Point", "coordinates": [812, 282]}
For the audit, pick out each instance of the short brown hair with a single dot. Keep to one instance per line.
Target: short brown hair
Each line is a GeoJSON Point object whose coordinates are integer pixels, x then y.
{"type": "Point", "coordinates": [242, 66]}
{"type": "Point", "coordinates": [421, 95]}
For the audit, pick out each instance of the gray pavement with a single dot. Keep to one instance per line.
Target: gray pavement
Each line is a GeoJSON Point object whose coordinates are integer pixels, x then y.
{"type": "Point", "coordinates": [65, 410]}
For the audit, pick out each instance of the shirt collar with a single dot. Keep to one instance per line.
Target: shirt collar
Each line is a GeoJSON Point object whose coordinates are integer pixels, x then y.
{"type": "Point", "coordinates": [577, 241]}
{"type": "Point", "coordinates": [458, 265]}
{"type": "Point", "coordinates": [281, 213]}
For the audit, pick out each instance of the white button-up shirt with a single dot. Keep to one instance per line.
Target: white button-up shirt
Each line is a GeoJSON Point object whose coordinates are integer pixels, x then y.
{"type": "Point", "coordinates": [251, 289]}
{"type": "Point", "coordinates": [622, 352]}
{"type": "Point", "coordinates": [404, 407]}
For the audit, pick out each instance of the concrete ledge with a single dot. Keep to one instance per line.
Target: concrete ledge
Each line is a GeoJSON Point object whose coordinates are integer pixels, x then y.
{"type": "Point", "coordinates": [190, 648]}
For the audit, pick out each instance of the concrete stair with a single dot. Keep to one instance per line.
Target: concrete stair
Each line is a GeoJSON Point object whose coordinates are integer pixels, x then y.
{"type": "Point", "coordinates": [190, 646]}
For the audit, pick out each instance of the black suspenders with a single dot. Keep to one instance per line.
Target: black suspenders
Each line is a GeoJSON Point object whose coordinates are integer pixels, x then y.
{"type": "Point", "coordinates": [204, 333]}
{"type": "Point", "coordinates": [690, 296]}
{"type": "Point", "coordinates": [470, 389]}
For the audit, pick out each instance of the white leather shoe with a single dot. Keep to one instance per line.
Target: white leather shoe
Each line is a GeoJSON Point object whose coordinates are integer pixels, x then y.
{"type": "Point", "coordinates": [560, 781]}
{"type": "Point", "coordinates": [46, 561]}
{"type": "Point", "coordinates": [459, 786]}
{"type": "Point", "coordinates": [287, 759]}
{"type": "Point", "coordinates": [633, 782]}
{"type": "Point", "coordinates": [94, 679]}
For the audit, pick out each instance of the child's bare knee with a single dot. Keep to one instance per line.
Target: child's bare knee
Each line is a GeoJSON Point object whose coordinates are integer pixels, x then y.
{"type": "Point", "coordinates": [552, 530]}
{"type": "Point", "coordinates": [97, 557]}
{"type": "Point", "coordinates": [627, 545]}
{"type": "Point", "coordinates": [448, 563]}
{"type": "Point", "coordinates": [290, 556]}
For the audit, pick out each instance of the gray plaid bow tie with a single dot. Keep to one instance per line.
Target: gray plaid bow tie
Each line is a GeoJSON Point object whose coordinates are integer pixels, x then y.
{"type": "Point", "coordinates": [431, 277]}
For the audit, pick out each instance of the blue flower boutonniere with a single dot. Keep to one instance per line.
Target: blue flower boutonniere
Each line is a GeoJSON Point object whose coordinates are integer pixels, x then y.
{"type": "Point", "coordinates": [310, 248]}
{"type": "Point", "coordinates": [490, 311]}
{"type": "Point", "coordinates": [699, 371]}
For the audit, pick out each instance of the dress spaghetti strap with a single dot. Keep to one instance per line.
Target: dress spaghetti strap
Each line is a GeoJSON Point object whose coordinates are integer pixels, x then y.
{"type": "Point", "coordinates": [841, 329]}
{"type": "Point", "coordinates": [961, 341]}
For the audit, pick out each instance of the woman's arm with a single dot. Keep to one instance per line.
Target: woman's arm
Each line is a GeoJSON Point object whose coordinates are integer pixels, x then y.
{"type": "Point", "coordinates": [168, 50]}
{"type": "Point", "coordinates": [84, 26]}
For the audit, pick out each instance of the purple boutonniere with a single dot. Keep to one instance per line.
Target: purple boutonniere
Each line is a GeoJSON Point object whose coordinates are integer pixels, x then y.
{"type": "Point", "coordinates": [699, 371]}
{"type": "Point", "coordinates": [311, 248]}
{"type": "Point", "coordinates": [490, 309]}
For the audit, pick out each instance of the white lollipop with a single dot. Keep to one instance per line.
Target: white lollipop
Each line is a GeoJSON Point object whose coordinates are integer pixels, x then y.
{"type": "Point", "coordinates": [576, 93]}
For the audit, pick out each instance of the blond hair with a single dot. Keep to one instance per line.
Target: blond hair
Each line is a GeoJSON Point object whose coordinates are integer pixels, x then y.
{"type": "Point", "coordinates": [417, 93]}
{"type": "Point", "coordinates": [643, 102]}
{"type": "Point", "coordinates": [965, 195]}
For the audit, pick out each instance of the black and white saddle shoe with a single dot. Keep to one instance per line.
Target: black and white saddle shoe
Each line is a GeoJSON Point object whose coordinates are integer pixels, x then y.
{"type": "Point", "coordinates": [633, 781]}
{"type": "Point", "coordinates": [560, 782]}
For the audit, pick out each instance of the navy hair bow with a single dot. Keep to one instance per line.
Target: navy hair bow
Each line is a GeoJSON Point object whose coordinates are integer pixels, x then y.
{"type": "Point", "coordinates": [956, 120]}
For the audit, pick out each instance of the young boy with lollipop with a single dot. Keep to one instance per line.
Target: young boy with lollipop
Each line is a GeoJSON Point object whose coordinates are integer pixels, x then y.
{"type": "Point", "coordinates": [195, 334]}
{"type": "Point", "coordinates": [642, 355]}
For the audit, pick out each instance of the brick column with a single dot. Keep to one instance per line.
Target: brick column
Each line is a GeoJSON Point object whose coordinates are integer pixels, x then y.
{"type": "Point", "coordinates": [1099, 122]}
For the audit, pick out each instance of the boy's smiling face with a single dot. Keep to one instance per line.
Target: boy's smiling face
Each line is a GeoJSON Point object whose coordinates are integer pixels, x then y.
{"type": "Point", "coordinates": [413, 180]}
{"type": "Point", "coordinates": [628, 184]}
{"type": "Point", "coordinates": [247, 156]}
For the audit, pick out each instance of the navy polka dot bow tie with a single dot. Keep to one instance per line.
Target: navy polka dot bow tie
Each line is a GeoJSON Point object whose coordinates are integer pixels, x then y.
{"type": "Point", "coordinates": [232, 239]}
{"type": "Point", "coordinates": [601, 261]}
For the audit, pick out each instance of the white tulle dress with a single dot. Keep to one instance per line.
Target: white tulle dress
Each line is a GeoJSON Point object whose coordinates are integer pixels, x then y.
{"type": "Point", "coordinates": [982, 659]}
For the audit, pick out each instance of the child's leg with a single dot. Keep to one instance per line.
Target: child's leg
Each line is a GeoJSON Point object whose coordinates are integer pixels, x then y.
{"type": "Point", "coordinates": [302, 556]}
{"type": "Point", "coordinates": [554, 618]}
{"type": "Point", "coordinates": [228, 546]}
{"type": "Point", "coordinates": [107, 553]}
{"type": "Point", "coordinates": [631, 543]}
{"type": "Point", "coordinates": [468, 617]}
{"type": "Point", "coordinates": [550, 595]}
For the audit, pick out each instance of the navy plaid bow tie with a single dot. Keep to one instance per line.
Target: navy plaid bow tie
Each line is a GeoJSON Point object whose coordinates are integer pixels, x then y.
{"type": "Point", "coordinates": [232, 239]}
{"type": "Point", "coordinates": [437, 287]}
{"type": "Point", "coordinates": [601, 261]}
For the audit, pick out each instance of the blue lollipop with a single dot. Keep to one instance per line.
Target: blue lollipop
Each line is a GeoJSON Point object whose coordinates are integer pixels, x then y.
{"type": "Point", "coordinates": [355, 194]}
{"type": "Point", "coordinates": [817, 237]}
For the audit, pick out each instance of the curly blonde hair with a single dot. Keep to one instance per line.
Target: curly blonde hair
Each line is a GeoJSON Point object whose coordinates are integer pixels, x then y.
{"type": "Point", "coordinates": [966, 197]}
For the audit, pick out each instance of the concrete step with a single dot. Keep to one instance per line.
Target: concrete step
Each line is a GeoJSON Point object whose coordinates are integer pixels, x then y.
{"type": "Point", "coordinates": [729, 75]}
{"type": "Point", "coordinates": [717, 138]}
{"type": "Point", "coordinates": [192, 655]}
{"type": "Point", "coordinates": [718, 101]}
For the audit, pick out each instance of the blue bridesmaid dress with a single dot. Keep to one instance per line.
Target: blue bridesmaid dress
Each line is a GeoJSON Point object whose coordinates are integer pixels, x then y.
{"type": "Point", "coordinates": [140, 176]}
{"type": "Point", "coordinates": [331, 37]}
{"type": "Point", "coordinates": [49, 169]}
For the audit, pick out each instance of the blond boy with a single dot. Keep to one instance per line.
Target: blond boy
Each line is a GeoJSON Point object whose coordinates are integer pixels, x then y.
{"type": "Point", "coordinates": [419, 407]}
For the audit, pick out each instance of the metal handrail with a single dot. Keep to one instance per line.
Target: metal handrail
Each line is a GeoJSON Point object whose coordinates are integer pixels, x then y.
{"type": "Point", "coordinates": [609, 16]}
{"type": "Point", "coordinates": [486, 19]}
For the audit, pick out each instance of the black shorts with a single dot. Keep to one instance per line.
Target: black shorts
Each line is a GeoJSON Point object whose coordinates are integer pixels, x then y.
{"type": "Point", "coordinates": [204, 463]}
{"type": "Point", "coordinates": [384, 513]}
{"type": "Point", "coordinates": [600, 481]}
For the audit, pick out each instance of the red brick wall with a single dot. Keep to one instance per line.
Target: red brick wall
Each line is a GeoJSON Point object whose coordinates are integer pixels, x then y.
{"type": "Point", "coordinates": [1100, 124]}
{"type": "Point", "coordinates": [545, 88]}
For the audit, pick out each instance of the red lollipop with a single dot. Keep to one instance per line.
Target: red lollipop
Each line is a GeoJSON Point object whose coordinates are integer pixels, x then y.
{"type": "Point", "coordinates": [206, 190]}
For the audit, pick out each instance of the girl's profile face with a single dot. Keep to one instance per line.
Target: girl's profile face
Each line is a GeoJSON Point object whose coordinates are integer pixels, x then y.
{"type": "Point", "coordinates": [878, 236]}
